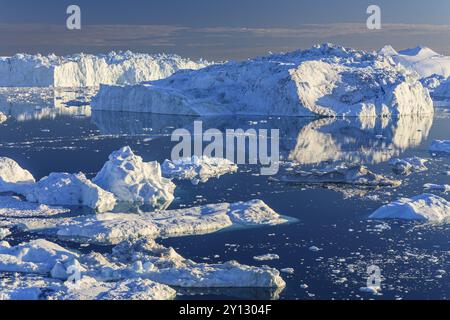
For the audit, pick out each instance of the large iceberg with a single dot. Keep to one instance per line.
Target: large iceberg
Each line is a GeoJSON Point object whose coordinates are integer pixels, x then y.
{"type": "Point", "coordinates": [86, 70]}
{"type": "Point", "coordinates": [326, 80]}
{"type": "Point", "coordinates": [132, 180]}
{"type": "Point", "coordinates": [70, 189]}
{"type": "Point", "coordinates": [425, 207]}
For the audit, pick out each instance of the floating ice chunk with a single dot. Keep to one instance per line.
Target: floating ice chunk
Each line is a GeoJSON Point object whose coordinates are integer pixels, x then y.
{"type": "Point", "coordinates": [354, 175]}
{"type": "Point", "coordinates": [314, 249]}
{"type": "Point", "coordinates": [108, 228]}
{"type": "Point", "coordinates": [70, 189]}
{"type": "Point", "coordinates": [440, 187]}
{"type": "Point", "coordinates": [4, 233]}
{"type": "Point", "coordinates": [131, 179]}
{"type": "Point", "coordinates": [12, 207]}
{"type": "Point", "coordinates": [112, 228]}
{"type": "Point", "coordinates": [408, 165]}
{"type": "Point", "coordinates": [288, 270]}
{"type": "Point", "coordinates": [440, 146]}
{"type": "Point", "coordinates": [197, 169]}
{"type": "Point", "coordinates": [164, 265]}
{"type": "Point", "coordinates": [425, 207]}
{"type": "Point", "coordinates": [37, 256]}
{"type": "Point", "coordinates": [26, 287]}
{"type": "Point", "coordinates": [267, 257]}
{"type": "Point", "coordinates": [373, 290]}
{"type": "Point", "coordinates": [12, 176]}
{"type": "Point", "coordinates": [3, 117]}
{"type": "Point", "coordinates": [326, 80]}
{"type": "Point", "coordinates": [85, 70]}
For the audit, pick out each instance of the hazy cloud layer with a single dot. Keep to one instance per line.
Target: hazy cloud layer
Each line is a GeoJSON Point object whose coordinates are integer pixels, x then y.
{"type": "Point", "coordinates": [217, 43]}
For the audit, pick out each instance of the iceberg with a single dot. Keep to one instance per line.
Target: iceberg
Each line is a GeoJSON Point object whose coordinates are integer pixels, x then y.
{"type": "Point", "coordinates": [70, 189]}
{"type": "Point", "coordinates": [266, 257]}
{"type": "Point", "coordinates": [197, 169]}
{"type": "Point", "coordinates": [86, 70]}
{"type": "Point", "coordinates": [132, 180]}
{"type": "Point", "coordinates": [113, 228]}
{"type": "Point", "coordinates": [3, 117]}
{"type": "Point", "coordinates": [326, 80]}
{"type": "Point", "coordinates": [439, 187]}
{"type": "Point", "coordinates": [440, 146]}
{"type": "Point", "coordinates": [425, 207]}
{"type": "Point", "coordinates": [13, 176]}
{"type": "Point", "coordinates": [408, 165]}
{"type": "Point", "coordinates": [4, 233]}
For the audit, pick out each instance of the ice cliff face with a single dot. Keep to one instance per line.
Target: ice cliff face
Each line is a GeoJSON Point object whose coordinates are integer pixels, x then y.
{"type": "Point", "coordinates": [326, 80]}
{"type": "Point", "coordinates": [85, 70]}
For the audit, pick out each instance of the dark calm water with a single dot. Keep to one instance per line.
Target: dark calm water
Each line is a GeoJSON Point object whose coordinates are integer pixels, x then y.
{"type": "Point", "coordinates": [414, 258]}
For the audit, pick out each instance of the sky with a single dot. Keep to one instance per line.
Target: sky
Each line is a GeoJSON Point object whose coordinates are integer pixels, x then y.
{"type": "Point", "coordinates": [219, 29]}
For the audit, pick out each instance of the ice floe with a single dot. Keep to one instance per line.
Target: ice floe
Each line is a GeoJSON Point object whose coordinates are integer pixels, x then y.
{"type": "Point", "coordinates": [112, 228]}
{"type": "Point", "coordinates": [267, 257]}
{"type": "Point", "coordinates": [440, 146]}
{"type": "Point", "coordinates": [132, 180]}
{"type": "Point", "coordinates": [342, 174]}
{"type": "Point", "coordinates": [86, 70]}
{"type": "Point", "coordinates": [439, 187]}
{"type": "Point", "coordinates": [408, 165]}
{"type": "Point", "coordinates": [70, 189]}
{"type": "Point", "coordinates": [425, 207]}
{"type": "Point", "coordinates": [197, 169]}
{"type": "Point", "coordinates": [3, 117]}
{"type": "Point", "coordinates": [12, 175]}
{"type": "Point", "coordinates": [326, 80]}
{"type": "Point", "coordinates": [4, 233]}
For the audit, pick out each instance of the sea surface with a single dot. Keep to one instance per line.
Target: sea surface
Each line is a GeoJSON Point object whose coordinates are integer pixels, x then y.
{"type": "Point", "coordinates": [414, 258]}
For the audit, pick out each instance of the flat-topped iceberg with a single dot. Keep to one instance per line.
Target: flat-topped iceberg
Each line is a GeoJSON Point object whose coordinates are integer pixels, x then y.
{"type": "Point", "coordinates": [112, 228]}
{"type": "Point", "coordinates": [86, 70]}
{"type": "Point", "coordinates": [70, 189]}
{"type": "Point", "coordinates": [440, 146]}
{"type": "Point", "coordinates": [422, 60]}
{"type": "Point", "coordinates": [13, 176]}
{"type": "Point", "coordinates": [132, 180]}
{"type": "Point", "coordinates": [197, 169]}
{"type": "Point", "coordinates": [3, 117]}
{"type": "Point", "coordinates": [425, 207]}
{"type": "Point", "coordinates": [326, 80]}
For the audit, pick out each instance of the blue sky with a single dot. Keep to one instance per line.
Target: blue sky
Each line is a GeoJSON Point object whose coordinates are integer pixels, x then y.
{"type": "Point", "coordinates": [219, 29]}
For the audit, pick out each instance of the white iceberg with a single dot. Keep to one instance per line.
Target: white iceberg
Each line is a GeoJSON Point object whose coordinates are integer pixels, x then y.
{"type": "Point", "coordinates": [155, 262]}
{"type": "Point", "coordinates": [70, 189]}
{"type": "Point", "coordinates": [439, 187]}
{"type": "Point", "coordinates": [326, 80]}
{"type": "Point", "coordinates": [112, 228]}
{"type": "Point", "coordinates": [37, 256]}
{"type": "Point", "coordinates": [266, 257]}
{"type": "Point", "coordinates": [342, 174]}
{"type": "Point", "coordinates": [4, 233]}
{"type": "Point", "coordinates": [197, 169]}
{"type": "Point", "coordinates": [12, 176]}
{"type": "Point", "coordinates": [422, 60]}
{"type": "Point", "coordinates": [408, 165]}
{"type": "Point", "coordinates": [132, 180]}
{"type": "Point", "coordinates": [440, 146]}
{"type": "Point", "coordinates": [86, 70]}
{"type": "Point", "coordinates": [425, 207]}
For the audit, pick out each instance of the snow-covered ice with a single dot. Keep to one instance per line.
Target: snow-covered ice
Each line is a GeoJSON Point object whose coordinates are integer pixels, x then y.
{"type": "Point", "coordinates": [326, 80]}
{"type": "Point", "coordinates": [425, 207]}
{"type": "Point", "coordinates": [197, 169]}
{"type": "Point", "coordinates": [12, 175]}
{"type": "Point", "coordinates": [440, 146]}
{"type": "Point", "coordinates": [341, 174]}
{"type": "Point", "coordinates": [70, 189]}
{"type": "Point", "coordinates": [132, 180]}
{"type": "Point", "coordinates": [86, 70]}
{"type": "Point", "coordinates": [439, 187]}
{"type": "Point", "coordinates": [3, 117]}
{"type": "Point", "coordinates": [4, 233]}
{"type": "Point", "coordinates": [112, 228]}
{"type": "Point", "coordinates": [408, 165]}
{"type": "Point", "coordinates": [267, 257]}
